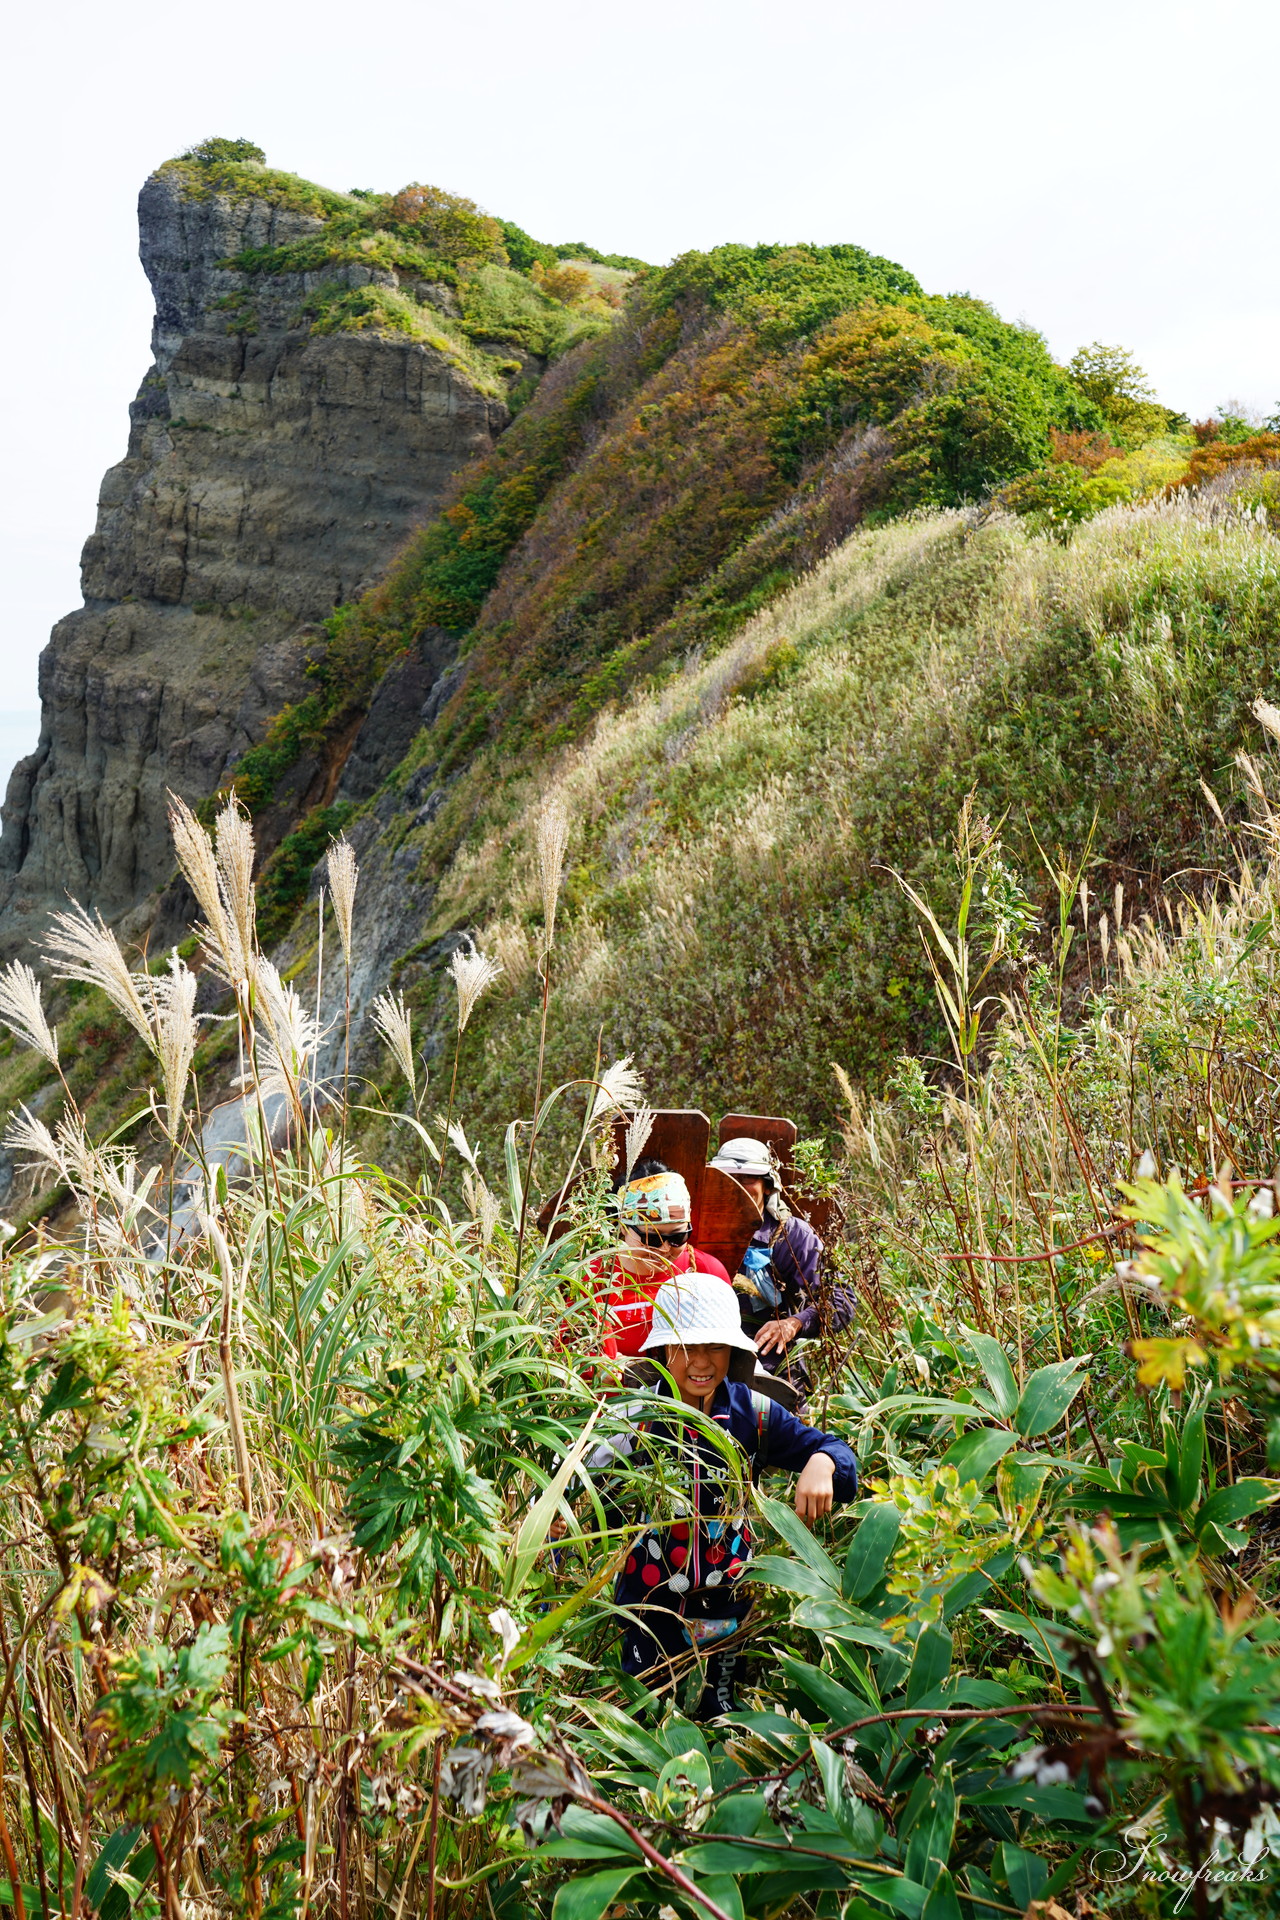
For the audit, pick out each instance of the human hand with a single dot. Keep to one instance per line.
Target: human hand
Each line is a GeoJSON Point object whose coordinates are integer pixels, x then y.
{"type": "Point", "coordinates": [777, 1334]}
{"type": "Point", "coordinates": [813, 1488]}
{"type": "Point", "coordinates": [558, 1528]}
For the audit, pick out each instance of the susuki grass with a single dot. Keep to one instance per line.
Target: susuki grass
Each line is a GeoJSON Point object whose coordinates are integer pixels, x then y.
{"type": "Point", "coordinates": [198, 1427]}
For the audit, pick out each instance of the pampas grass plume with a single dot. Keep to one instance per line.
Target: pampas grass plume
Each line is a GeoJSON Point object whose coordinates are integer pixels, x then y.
{"type": "Point", "coordinates": [472, 973]}
{"type": "Point", "coordinates": [27, 1135]}
{"type": "Point", "coordinates": [80, 948]}
{"type": "Point", "coordinates": [637, 1136]}
{"type": "Point", "coordinates": [200, 870]}
{"type": "Point", "coordinates": [343, 875]}
{"type": "Point", "coordinates": [395, 1023]}
{"type": "Point", "coordinates": [22, 1011]}
{"type": "Point", "coordinates": [617, 1089]}
{"type": "Point", "coordinates": [553, 839]}
{"type": "Point", "coordinates": [235, 869]}
{"type": "Point", "coordinates": [1267, 716]}
{"type": "Point", "coordinates": [176, 1034]}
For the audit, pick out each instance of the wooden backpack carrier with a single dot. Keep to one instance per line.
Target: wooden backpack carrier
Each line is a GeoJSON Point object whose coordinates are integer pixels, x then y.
{"type": "Point", "coordinates": [724, 1217]}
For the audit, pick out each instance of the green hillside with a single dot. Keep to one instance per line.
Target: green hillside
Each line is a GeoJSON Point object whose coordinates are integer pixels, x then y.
{"type": "Point", "coordinates": [731, 917]}
{"type": "Point", "coordinates": [764, 579]}
{"type": "Point", "coordinates": [752, 408]}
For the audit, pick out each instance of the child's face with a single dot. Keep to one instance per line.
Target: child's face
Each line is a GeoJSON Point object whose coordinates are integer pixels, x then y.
{"type": "Point", "coordinates": [697, 1372]}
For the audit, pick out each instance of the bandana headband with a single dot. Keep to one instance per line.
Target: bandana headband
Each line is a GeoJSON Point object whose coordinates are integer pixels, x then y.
{"type": "Point", "coordinates": [660, 1199]}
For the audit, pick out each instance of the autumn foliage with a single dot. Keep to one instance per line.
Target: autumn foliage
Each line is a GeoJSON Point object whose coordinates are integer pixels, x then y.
{"type": "Point", "coordinates": [1219, 456]}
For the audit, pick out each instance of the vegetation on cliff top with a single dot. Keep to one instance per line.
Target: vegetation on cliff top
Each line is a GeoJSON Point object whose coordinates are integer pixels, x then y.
{"type": "Point", "coordinates": [420, 262]}
{"type": "Point", "coordinates": [671, 476]}
{"type": "Point", "coordinates": [668, 483]}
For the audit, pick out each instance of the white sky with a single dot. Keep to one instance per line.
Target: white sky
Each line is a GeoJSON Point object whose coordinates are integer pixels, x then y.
{"type": "Point", "coordinates": [1104, 170]}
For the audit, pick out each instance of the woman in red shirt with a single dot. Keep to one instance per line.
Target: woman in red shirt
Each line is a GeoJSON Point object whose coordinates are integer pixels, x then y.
{"type": "Point", "coordinates": [654, 1228]}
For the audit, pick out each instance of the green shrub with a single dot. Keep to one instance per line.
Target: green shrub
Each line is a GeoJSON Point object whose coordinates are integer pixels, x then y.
{"type": "Point", "coordinates": [249, 179]}
{"type": "Point", "coordinates": [214, 153]}
{"type": "Point", "coordinates": [444, 224]}
{"type": "Point", "coordinates": [786, 291]}
{"type": "Point", "coordinates": [345, 243]}
{"type": "Point", "coordinates": [286, 877]}
{"type": "Point", "coordinates": [498, 304]}
{"type": "Point", "coordinates": [375, 309]}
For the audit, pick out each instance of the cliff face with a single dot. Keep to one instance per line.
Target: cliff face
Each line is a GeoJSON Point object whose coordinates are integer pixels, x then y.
{"type": "Point", "coordinates": [271, 474]}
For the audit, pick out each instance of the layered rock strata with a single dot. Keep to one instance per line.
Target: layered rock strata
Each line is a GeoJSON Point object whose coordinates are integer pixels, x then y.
{"type": "Point", "coordinates": [271, 474]}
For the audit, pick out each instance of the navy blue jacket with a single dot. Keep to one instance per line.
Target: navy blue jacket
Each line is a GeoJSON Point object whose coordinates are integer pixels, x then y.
{"type": "Point", "coordinates": [688, 1557]}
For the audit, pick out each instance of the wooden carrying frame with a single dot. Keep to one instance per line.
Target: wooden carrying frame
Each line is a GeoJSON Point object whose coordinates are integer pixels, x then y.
{"type": "Point", "coordinates": [724, 1216]}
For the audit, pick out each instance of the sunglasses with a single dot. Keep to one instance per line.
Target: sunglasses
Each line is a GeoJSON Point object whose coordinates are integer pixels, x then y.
{"type": "Point", "coordinates": [657, 1240]}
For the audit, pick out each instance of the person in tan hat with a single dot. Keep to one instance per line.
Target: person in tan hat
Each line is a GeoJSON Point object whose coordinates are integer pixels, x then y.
{"type": "Point", "coordinates": [784, 1300]}
{"type": "Point", "coordinates": [680, 1583]}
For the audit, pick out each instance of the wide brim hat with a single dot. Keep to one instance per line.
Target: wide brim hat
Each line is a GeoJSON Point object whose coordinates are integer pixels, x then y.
{"type": "Point", "coordinates": [697, 1309]}
{"type": "Point", "coordinates": [746, 1159]}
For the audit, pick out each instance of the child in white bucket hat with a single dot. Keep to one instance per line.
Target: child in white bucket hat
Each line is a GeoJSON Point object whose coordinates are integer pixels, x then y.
{"type": "Point", "coordinates": [680, 1584]}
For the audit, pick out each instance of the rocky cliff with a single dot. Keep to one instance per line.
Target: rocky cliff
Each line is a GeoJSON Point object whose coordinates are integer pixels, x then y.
{"type": "Point", "coordinates": [272, 473]}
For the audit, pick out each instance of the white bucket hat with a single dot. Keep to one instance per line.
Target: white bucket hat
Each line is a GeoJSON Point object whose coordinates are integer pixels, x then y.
{"type": "Point", "coordinates": [747, 1159]}
{"type": "Point", "coordinates": [697, 1309]}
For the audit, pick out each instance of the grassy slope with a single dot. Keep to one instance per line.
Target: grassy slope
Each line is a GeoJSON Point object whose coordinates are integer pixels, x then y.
{"type": "Point", "coordinates": [751, 407]}
{"type": "Point", "coordinates": [729, 916]}
{"type": "Point", "coordinates": [751, 413]}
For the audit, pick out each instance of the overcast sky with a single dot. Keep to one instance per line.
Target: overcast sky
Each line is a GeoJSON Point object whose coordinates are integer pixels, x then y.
{"type": "Point", "coordinates": [1104, 170]}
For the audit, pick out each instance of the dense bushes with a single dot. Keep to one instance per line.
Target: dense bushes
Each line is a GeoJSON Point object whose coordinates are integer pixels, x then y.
{"type": "Point", "coordinates": [287, 1634]}
{"type": "Point", "coordinates": [785, 292]}
{"type": "Point", "coordinates": [966, 404]}
{"type": "Point", "coordinates": [1220, 456]}
{"type": "Point", "coordinates": [236, 168]}
{"type": "Point", "coordinates": [747, 429]}
{"type": "Point", "coordinates": [756, 405]}
{"type": "Point", "coordinates": [1112, 380]}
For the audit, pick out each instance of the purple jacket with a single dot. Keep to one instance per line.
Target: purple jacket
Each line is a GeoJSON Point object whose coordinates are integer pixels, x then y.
{"type": "Point", "coordinates": [796, 1257]}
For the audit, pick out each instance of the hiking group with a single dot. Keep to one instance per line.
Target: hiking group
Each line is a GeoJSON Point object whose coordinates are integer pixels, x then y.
{"type": "Point", "coordinates": [730, 1348]}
